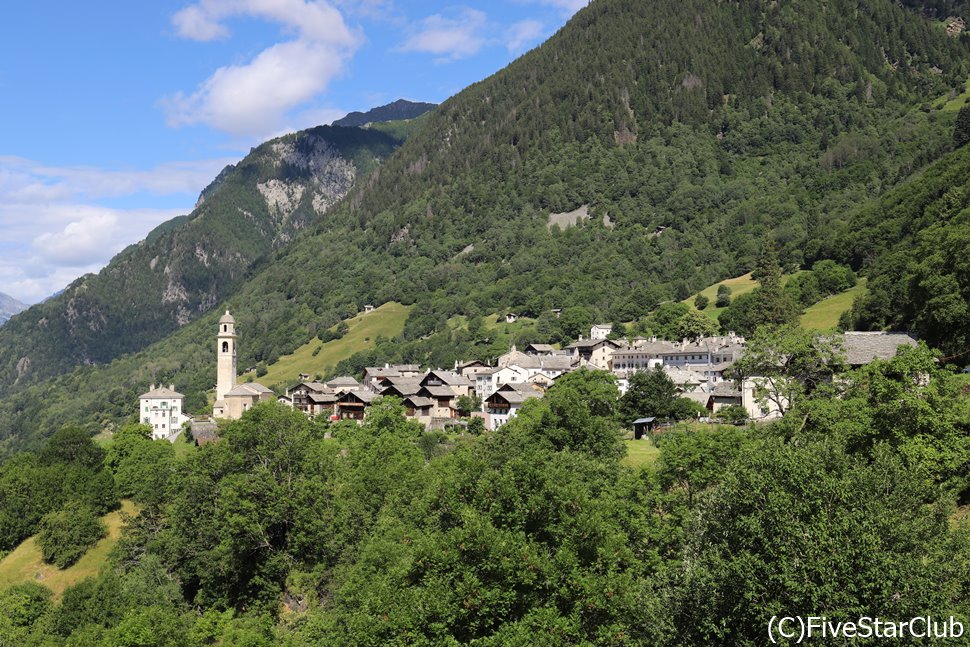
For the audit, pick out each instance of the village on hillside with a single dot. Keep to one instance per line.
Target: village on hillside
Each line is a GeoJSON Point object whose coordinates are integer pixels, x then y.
{"type": "Point", "coordinates": [441, 398]}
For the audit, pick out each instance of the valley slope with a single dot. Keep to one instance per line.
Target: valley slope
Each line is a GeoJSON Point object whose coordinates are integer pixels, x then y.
{"type": "Point", "coordinates": [688, 129]}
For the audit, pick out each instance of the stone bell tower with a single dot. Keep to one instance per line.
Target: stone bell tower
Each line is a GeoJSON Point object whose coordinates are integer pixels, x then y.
{"type": "Point", "coordinates": [226, 352]}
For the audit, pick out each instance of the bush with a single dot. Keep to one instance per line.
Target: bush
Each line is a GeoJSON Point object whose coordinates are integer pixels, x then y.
{"type": "Point", "coordinates": [732, 415]}
{"type": "Point", "coordinates": [476, 426]}
{"type": "Point", "coordinates": [701, 302]}
{"type": "Point", "coordinates": [66, 534]}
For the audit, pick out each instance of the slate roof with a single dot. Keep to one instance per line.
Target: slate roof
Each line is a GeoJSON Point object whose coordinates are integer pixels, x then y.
{"type": "Point", "coordinates": [438, 391]}
{"type": "Point", "coordinates": [338, 382]}
{"type": "Point", "coordinates": [402, 388]}
{"type": "Point", "coordinates": [162, 392]}
{"type": "Point", "coordinates": [592, 343]}
{"type": "Point", "coordinates": [512, 397]}
{"type": "Point", "coordinates": [449, 377]}
{"type": "Point", "coordinates": [204, 432]}
{"type": "Point", "coordinates": [700, 397]}
{"type": "Point", "coordinates": [364, 396]}
{"type": "Point", "coordinates": [419, 402]}
{"type": "Point", "coordinates": [540, 348]}
{"type": "Point", "coordinates": [248, 389]}
{"type": "Point", "coordinates": [864, 347]}
{"type": "Point", "coordinates": [317, 387]}
{"type": "Point", "coordinates": [322, 398]}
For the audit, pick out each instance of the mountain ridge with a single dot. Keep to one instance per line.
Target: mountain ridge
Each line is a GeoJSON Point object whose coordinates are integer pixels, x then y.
{"type": "Point", "coordinates": [188, 264]}
{"type": "Point", "coordinates": [401, 109]}
{"type": "Point", "coordinates": [9, 307]}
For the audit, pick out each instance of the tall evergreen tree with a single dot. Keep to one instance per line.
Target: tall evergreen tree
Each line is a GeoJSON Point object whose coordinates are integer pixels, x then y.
{"type": "Point", "coordinates": [772, 304]}
{"type": "Point", "coordinates": [961, 131]}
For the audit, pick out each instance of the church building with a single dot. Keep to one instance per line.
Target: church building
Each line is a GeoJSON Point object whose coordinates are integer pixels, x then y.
{"type": "Point", "coordinates": [233, 400]}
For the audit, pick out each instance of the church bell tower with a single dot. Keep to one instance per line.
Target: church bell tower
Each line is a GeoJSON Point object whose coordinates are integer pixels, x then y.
{"type": "Point", "coordinates": [226, 352]}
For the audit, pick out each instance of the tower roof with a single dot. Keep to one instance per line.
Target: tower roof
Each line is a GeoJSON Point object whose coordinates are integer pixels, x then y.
{"type": "Point", "coordinates": [227, 318]}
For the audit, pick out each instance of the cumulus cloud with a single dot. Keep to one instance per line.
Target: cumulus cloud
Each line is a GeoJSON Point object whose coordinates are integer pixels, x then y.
{"type": "Point", "coordinates": [523, 33]}
{"type": "Point", "coordinates": [253, 98]}
{"type": "Point", "coordinates": [568, 6]}
{"type": "Point", "coordinates": [448, 37]}
{"type": "Point", "coordinates": [53, 227]}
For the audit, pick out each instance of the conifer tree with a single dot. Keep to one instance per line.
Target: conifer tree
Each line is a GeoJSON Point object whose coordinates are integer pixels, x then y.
{"type": "Point", "coordinates": [772, 304]}
{"type": "Point", "coordinates": [961, 131]}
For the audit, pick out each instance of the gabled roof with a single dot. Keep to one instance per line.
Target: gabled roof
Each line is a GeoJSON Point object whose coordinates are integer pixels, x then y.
{"type": "Point", "coordinates": [402, 389]}
{"type": "Point", "coordinates": [322, 398]}
{"type": "Point", "coordinates": [864, 347]}
{"type": "Point", "coordinates": [162, 392]}
{"type": "Point", "coordinates": [593, 343]}
{"type": "Point", "coordinates": [338, 382]}
{"type": "Point", "coordinates": [512, 397]}
{"type": "Point", "coordinates": [520, 387]}
{"type": "Point", "coordinates": [364, 396]}
{"type": "Point", "coordinates": [448, 377]}
{"type": "Point", "coordinates": [438, 391]}
{"type": "Point", "coordinates": [248, 389]}
{"type": "Point", "coordinates": [419, 402]}
{"type": "Point", "coordinates": [540, 348]}
{"type": "Point", "coordinates": [312, 387]}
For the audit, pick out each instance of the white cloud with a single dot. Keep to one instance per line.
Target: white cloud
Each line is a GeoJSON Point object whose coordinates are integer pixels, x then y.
{"type": "Point", "coordinates": [448, 38]}
{"type": "Point", "coordinates": [523, 33]}
{"type": "Point", "coordinates": [53, 227]}
{"type": "Point", "coordinates": [314, 20]}
{"type": "Point", "coordinates": [569, 7]}
{"type": "Point", "coordinates": [254, 98]}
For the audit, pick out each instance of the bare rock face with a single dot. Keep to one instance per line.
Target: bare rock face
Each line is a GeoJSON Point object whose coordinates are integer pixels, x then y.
{"type": "Point", "coordinates": [23, 366]}
{"type": "Point", "coordinates": [330, 176]}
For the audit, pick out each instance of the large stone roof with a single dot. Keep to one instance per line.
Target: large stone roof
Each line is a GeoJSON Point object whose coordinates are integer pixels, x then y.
{"type": "Point", "coordinates": [864, 347]}
{"type": "Point", "coordinates": [248, 389]}
{"type": "Point", "coordinates": [160, 392]}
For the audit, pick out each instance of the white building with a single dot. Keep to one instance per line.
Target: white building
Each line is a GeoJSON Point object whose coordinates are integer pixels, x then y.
{"type": "Point", "coordinates": [161, 409]}
{"type": "Point", "coordinates": [600, 331]}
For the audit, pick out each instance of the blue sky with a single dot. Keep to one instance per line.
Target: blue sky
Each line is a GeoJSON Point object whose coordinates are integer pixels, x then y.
{"type": "Point", "coordinates": [115, 114]}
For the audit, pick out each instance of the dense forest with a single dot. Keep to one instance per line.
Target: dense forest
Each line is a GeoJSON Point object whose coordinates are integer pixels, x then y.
{"type": "Point", "coordinates": [534, 534]}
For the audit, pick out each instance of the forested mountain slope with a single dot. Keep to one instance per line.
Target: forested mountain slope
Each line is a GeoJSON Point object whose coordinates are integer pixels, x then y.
{"type": "Point", "coordinates": [688, 128]}
{"type": "Point", "coordinates": [188, 265]}
{"type": "Point", "coordinates": [915, 241]}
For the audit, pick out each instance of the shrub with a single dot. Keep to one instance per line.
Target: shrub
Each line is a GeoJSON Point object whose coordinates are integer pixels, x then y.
{"type": "Point", "coordinates": [66, 534]}
{"type": "Point", "coordinates": [700, 301]}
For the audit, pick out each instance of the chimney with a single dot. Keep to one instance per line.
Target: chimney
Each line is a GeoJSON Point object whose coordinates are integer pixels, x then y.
{"type": "Point", "coordinates": [171, 387]}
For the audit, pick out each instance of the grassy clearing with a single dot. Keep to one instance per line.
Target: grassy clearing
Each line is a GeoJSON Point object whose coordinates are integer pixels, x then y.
{"type": "Point", "coordinates": [740, 285]}
{"type": "Point", "coordinates": [25, 564]}
{"type": "Point", "coordinates": [825, 314]}
{"type": "Point", "coordinates": [957, 102]}
{"type": "Point", "coordinates": [640, 453]}
{"type": "Point", "coordinates": [364, 329]}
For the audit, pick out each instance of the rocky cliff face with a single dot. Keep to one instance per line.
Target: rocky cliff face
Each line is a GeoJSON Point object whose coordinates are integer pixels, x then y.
{"type": "Point", "coordinates": [9, 307]}
{"type": "Point", "coordinates": [186, 266]}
